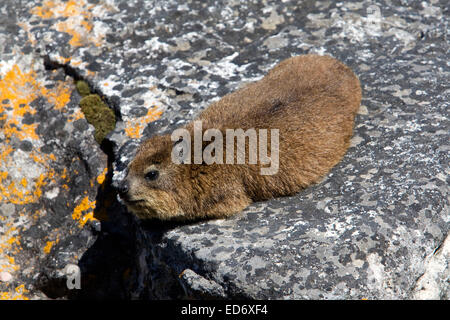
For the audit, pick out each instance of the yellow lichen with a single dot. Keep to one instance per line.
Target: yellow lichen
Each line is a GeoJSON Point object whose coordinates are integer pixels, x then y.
{"type": "Point", "coordinates": [77, 20]}
{"type": "Point", "coordinates": [59, 96]}
{"type": "Point", "coordinates": [83, 206]}
{"type": "Point", "coordinates": [19, 87]}
{"type": "Point", "coordinates": [78, 114]}
{"type": "Point", "coordinates": [18, 294]}
{"type": "Point", "coordinates": [48, 247]}
{"type": "Point", "coordinates": [17, 90]}
{"type": "Point", "coordinates": [134, 128]}
{"type": "Point", "coordinates": [102, 176]}
{"type": "Point", "coordinates": [9, 242]}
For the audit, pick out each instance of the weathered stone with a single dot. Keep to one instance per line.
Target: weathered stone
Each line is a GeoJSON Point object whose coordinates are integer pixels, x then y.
{"type": "Point", "coordinates": [365, 231]}
{"type": "Point", "coordinates": [51, 169]}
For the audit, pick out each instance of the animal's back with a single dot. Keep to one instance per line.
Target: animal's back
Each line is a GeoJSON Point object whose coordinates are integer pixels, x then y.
{"type": "Point", "coordinates": [312, 101]}
{"type": "Point", "coordinates": [295, 82]}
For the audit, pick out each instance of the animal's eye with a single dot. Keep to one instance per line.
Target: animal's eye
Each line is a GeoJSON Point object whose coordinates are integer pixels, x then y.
{"type": "Point", "coordinates": [152, 175]}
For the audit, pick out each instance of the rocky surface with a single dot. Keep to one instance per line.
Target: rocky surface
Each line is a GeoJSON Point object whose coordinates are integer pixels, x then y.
{"type": "Point", "coordinates": [373, 228]}
{"type": "Point", "coordinates": [53, 174]}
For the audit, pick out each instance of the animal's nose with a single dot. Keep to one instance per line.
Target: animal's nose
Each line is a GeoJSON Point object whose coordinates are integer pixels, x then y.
{"type": "Point", "coordinates": [123, 188]}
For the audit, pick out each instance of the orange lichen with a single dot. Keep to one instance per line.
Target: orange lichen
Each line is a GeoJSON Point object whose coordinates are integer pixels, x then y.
{"type": "Point", "coordinates": [20, 194]}
{"type": "Point", "coordinates": [19, 294]}
{"type": "Point", "coordinates": [134, 128]}
{"type": "Point", "coordinates": [49, 244]}
{"type": "Point", "coordinates": [76, 20]}
{"type": "Point", "coordinates": [19, 89]}
{"type": "Point", "coordinates": [85, 205]}
{"type": "Point", "coordinates": [76, 116]}
{"type": "Point", "coordinates": [64, 173]}
{"type": "Point", "coordinates": [48, 247]}
{"type": "Point", "coordinates": [28, 131]}
{"type": "Point", "coordinates": [9, 241]}
{"type": "Point", "coordinates": [45, 12]}
{"type": "Point", "coordinates": [101, 177]}
{"type": "Point", "coordinates": [11, 194]}
{"type": "Point", "coordinates": [59, 96]}
{"type": "Point", "coordinates": [133, 132]}
{"type": "Point", "coordinates": [90, 73]}
{"type": "Point", "coordinates": [24, 191]}
{"type": "Point", "coordinates": [61, 60]}
{"type": "Point", "coordinates": [24, 182]}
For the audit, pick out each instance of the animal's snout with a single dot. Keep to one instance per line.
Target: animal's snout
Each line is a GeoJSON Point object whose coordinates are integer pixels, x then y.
{"type": "Point", "coordinates": [123, 188]}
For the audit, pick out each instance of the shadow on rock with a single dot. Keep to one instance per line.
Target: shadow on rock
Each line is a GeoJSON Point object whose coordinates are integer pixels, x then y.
{"type": "Point", "coordinates": [107, 265]}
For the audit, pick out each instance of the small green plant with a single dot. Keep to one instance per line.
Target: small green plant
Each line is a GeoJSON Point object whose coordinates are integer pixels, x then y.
{"type": "Point", "coordinates": [83, 88]}
{"type": "Point", "coordinates": [96, 112]}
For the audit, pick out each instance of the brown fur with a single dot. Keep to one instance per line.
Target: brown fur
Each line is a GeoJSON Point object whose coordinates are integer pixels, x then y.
{"type": "Point", "coordinates": [311, 99]}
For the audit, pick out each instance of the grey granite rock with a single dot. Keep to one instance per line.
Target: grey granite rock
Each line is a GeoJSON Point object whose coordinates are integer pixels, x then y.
{"type": "Point", "coordinates": [53, 177]}
{"type": "Point", "coordinates": [369, 229]}
{"type": "Point", "coordinates": [366, 229]}
{"type": "Point", "coordinates": [46, 146]}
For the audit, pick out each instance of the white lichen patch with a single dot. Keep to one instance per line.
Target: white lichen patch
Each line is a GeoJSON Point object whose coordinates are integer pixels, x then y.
{"type": "Point", "coordinates": [273, 20]}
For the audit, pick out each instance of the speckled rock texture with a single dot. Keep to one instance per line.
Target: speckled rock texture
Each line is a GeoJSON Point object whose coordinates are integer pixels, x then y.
{"type": "Point", "coordinates": [53, 175]}
{"type": "Point", "coordinates": [373, 228]}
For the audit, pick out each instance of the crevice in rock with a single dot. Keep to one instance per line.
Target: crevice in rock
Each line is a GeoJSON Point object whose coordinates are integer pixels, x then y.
{"type": "Point", "coordinates": [107, 264]}
{"type": "Point", "coordinates": [73, 73]}
{"type": "Point", "coordinates": [105, 145]}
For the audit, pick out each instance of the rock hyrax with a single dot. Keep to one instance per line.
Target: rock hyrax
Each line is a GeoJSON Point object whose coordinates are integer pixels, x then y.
{"type": "Point", "coordinates": [312, 101]}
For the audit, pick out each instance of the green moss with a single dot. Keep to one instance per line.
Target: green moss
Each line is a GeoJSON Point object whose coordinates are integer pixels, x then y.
{"type": "Point", "coordinates": [83, 88]}
{"type": "Point", "coordinates": [99, 115]}
{"type": "Point", "coordinates": [96, 111]}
